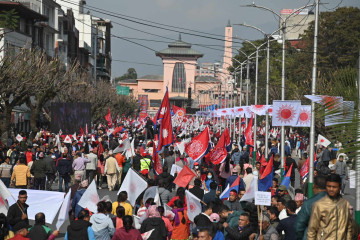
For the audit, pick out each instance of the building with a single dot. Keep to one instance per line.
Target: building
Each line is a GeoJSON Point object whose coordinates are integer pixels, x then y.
{"type": "Point", "coordinates": [103, 46]}
{"type": "Point", "coordinates": [183, 77]}
{"type": "Point", "coordinates": [27, 34]}
{"type": "Point", "coordinates": [296, 24]}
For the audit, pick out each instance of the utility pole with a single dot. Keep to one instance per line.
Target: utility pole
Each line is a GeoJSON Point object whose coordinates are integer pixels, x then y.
{"type": "Point", "coordinates": [283, 98]}
{"type": "Point", "coordinates": [267, 97]}
{"type": "Point", "coordinates": [256, 86]}
{"type": "Point", "coordinates": [313, 92]}
{"type": "Point", "coordinates": [357, 209]}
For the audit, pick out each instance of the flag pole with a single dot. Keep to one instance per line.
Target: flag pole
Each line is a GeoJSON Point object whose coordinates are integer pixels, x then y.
{"type": "Point", "coordinates": [313, 92]}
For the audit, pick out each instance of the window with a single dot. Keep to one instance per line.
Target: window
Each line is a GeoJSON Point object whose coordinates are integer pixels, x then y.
{"type": "Point", "coordinates": [179, 78]}
{"type": "Point", "coordinates": [151, 90]}
{"type": "Point", "coordinates": [155, 103]}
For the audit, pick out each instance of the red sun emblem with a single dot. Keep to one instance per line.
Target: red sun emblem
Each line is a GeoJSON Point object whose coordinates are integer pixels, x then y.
{"type": "Point", "coordinates": [192, 207]}
{"type": "Point", "coordinates": [240, 109]}
{"type": "Point", "coordinates": [259, 106]}
{"type": "Point", "coordinates": [224, 111]}
{"type": "Point", "coordinates": [270, 110]}
{"type": "Point", "coordinates": [330, 102]}
{"type": "Point", "coordinates": [285, 114]}
{"type": "Point", "coordinates": [322, 140]}
{"type": "Point", "coordinates": [304, 117]}
{"type": "Point", "coordinates": [132, 187]}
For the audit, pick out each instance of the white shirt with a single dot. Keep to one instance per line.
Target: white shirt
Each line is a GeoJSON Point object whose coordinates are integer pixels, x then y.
{"type": "Point", "coordinates": [283, 214]}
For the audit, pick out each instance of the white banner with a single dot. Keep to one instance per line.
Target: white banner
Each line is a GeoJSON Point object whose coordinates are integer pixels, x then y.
{"type": "Point", "coordinates": [285, 113]}
{"type": "Point", "coordinates": [47, 202]}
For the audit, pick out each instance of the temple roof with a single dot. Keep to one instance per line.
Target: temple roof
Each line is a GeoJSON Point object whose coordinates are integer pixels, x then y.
{"type": "Point", "coordinates": [179, 48]}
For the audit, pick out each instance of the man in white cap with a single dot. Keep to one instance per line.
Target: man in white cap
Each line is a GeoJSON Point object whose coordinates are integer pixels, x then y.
{"type": "Point", "coordinates": [111, 169]}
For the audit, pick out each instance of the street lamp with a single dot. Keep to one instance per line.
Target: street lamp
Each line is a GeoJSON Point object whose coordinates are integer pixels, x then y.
{"type": "Point", "coordinates": [283, 27]}
{"type": "Point", "coordinates": [268, 37]}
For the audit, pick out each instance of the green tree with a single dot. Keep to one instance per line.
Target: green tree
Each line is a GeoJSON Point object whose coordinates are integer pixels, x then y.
{"type": "Point", "coordinates": [130, 74]}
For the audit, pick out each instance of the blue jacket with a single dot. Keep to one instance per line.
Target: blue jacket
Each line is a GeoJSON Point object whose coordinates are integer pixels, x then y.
{"type": "Point", "coordinates": [303, 216]}
{"type": "Point", "coordinates": [75, 201]}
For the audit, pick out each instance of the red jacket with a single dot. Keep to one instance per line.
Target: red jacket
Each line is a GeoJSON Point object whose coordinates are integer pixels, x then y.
{"type": "Point", "coordinates": [28, 157]}
{"type": "Point", "coordinates": [19, 237]}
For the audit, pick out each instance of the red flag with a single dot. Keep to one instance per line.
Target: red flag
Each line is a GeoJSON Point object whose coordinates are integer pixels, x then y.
{"type": "Point", "coordinates": [165, 105]}
{"type": "Point", "coordinates": [184, 177]}
{"type": "Point", "coordinates": [249, 133]}
{"type": "Point", "coordinates": [180, 112]}
{"type": "Point", "coordinates": [117, 129]}
{"type": "Point", "coordinates": [225, 140]}
{"type": "Point", "coordinates": [197, 148]}
{"type": "Point", "coordinates": [108, 118]}
{"type": "Point", "coordinates": [218, 155]}
{"type": "Point", "coordinates": [166, 136]}
{"type": "Point", "coordinates": [157, 164]}
{"type": "Point", "coordinates": [81, 131]}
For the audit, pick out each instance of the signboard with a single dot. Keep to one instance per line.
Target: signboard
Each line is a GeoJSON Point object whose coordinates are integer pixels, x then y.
{"type": "Point", "coordinates": [290, 11]}
{"type": "Point", "coordinates": [123, 90]}
{"type": "Point", "coordinates": [143, 104]}
{"type": "Point", "coordinates": [263, 198]}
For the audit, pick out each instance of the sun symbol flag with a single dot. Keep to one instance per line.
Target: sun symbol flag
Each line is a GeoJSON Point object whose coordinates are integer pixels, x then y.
{"type": "Point", "coordinates": [199, 145]}
{"type": "Point", "coordinates": [239, 111]}
{"type": "Point", "coordinates": [270, 110]}
{"type": "Point", "coordinates": [259, 109]}
{"type": "Point", "coordinates": [304, 116]}
{"type": "Point", "coordinates": [286, 113]}
{"type": "Point", "coordinates": [193, 205]}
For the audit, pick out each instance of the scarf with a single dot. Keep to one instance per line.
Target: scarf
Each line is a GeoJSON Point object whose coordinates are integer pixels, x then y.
{"type": "Point", "coordinates": [176, 212]}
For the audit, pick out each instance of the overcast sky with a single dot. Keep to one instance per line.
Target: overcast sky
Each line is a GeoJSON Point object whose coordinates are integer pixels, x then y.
{"type": "Point", "coordinates": [209, 16]}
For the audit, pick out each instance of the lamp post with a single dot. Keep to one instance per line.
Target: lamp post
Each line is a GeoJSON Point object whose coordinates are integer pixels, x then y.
{"type": "Point", "coordinates": [283, 33]}
{"type": "Point", "coordinates": [268, 36]}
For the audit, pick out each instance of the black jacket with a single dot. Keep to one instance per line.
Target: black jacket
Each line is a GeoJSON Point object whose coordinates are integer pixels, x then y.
{"type": "Point", "coordinates": [50, 165]}
{"type": "Point", "coordinates": [136, 162]}
{"type": "Point", "coordinates": [210, 196]}
{"type": "Point", "coordinates": [77, 230]}
{"type": "Point", "coordinates": [39, 232]}
{"type": "Point", "coordinates": [15, 213]}
{"type": "Point", "coordinates": [197, 191]}
{"type": "Point", "coordinates": [39, 169]}
{"type": "Point", "coordinates": [64, 167]}
{"type": "Point", "coordinates": [160, 232]}
{"type": "Point", "coordinates": [288, 226]}
{"type": "Point", "coordinates": [235, 234]}
{"type": "Point", "coordinates": [167, 178]}
{"type": "Point", "coordinates": [202, 221]}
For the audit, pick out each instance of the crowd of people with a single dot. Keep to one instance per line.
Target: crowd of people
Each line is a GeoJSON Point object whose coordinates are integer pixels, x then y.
{"type": "Point", "coordinates": [49, 163]}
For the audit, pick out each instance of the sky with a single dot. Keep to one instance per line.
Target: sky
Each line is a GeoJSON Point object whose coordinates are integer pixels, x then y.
{"type": "Point", "coordinates": [208, 16]}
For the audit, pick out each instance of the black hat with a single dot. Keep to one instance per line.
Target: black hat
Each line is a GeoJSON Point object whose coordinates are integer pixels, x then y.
{"type": "Point", "coordinates": [19, 226]}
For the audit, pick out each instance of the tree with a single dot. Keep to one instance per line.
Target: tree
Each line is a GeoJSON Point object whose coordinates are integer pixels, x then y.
{"type": "Point", "coordinates": [130, 74]}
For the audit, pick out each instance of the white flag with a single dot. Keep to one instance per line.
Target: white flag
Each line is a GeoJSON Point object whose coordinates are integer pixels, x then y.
{"type": "Point", "coordinates": [193, 205]}
{"type": "Point", "coordinates": [67, 139]}
{"type": "Point", "coordinates": [152, 192]}
{"type": "Point", "coordinates": [181, 146]}
{"type": "Point", "coordinates": [90, 198]}
{"type": "Point", "coordinates": [4, 195]}
{"type": "Point", "coordinates": [147, 234]}
{"type": "Point", "coordinates": [125, 145]}
{"type": "Point", "coordinates": [259, 109]}
{"type": "Point", "coordinates": [322, 141]}
{"type": "Point", "coordinates": [64, 210]}
{"type": "Point", "coordinates": [74, 136]}
{"type": "Point", "coordinates": [304, 116]}
{"type": "Point", "coordinates": [19, 138]}
{"type": "Point", "coordinates": [134, 185]}
{"type": "Point", "coordinates": [131, 151]}
{"type": "Point", "coordinates": [250, 193]}
{"type": "Point", "coordinates": [285, 113]}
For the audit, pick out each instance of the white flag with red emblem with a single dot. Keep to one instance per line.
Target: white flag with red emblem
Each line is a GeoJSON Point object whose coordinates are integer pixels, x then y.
{"type": "Point", "coordinates": [90, 198]}
{"type": "Point", "coordinates": [322, 141]}
{"type": "Point", "coordinates": [247, 111]}
{"type": "Point", "coordinates": [238, 111]}
{"type": "Point", "coordinates": [109, 131]}
{"type": "Point", "coordinates": [19, 138]}
{"type": "Point", "coordinates": [259, 109]}
{"type": "Point", "coordinates": [134, 185]}
{"type": "Point", "coordinates": [193, 205]}
{"type": "Point", "coordinates": [198, 147]}
{"type": "Point", "coordinates": [67, 139]}
{"type": "Point", "coordinates": [304, 116]}
{"type": "Point", "coordinates": [270, 110]}
{"type": "Point", "coordinates": [286, 113]}
{"type": "Point", "coordinates": [4, 195]}
{"type": "Point", "coordinates": [146, 235]}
